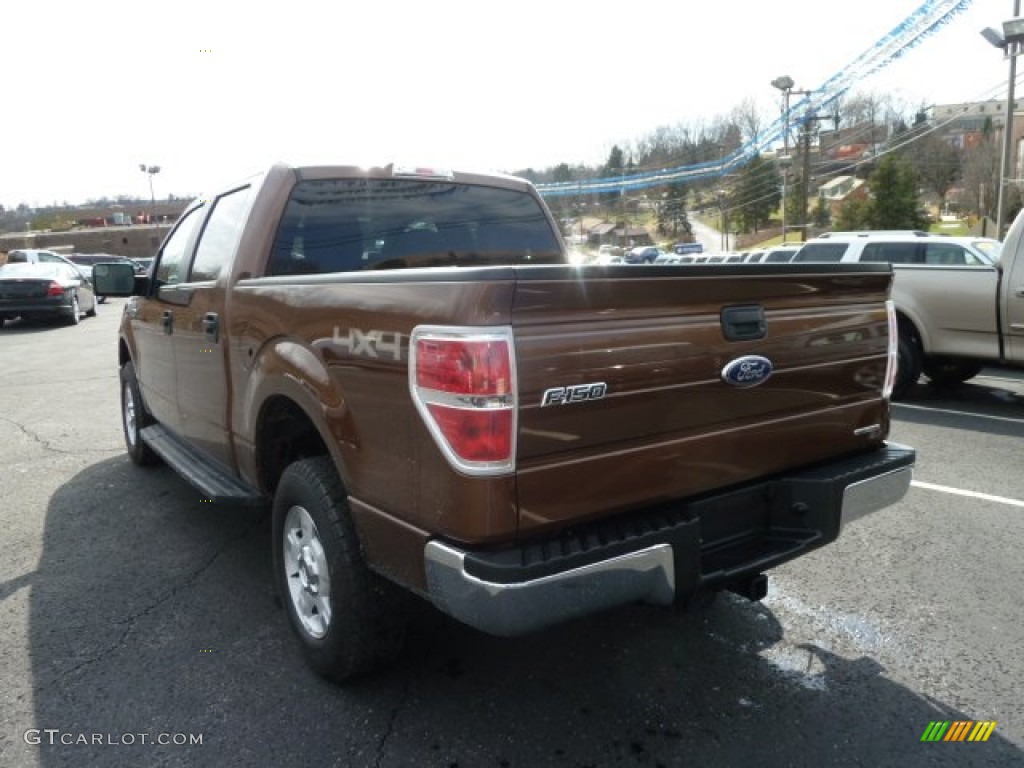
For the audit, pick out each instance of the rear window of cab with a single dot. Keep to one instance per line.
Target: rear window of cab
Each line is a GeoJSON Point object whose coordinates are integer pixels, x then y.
{"type": "Point", "coordinates": [344, 225]}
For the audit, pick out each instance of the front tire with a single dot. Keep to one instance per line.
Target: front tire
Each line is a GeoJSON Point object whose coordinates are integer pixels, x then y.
{"type": "Point", "coordinates": [135, 418]}
{"type": "Point", "coordinates": [348, 619]}
{"type": "Point", "coordinates": [908, 365]}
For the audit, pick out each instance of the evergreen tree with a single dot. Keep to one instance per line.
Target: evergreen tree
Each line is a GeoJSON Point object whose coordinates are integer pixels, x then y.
{"type": "Point", "coordinates": [894, 203]}
{"type": "Point", "coordinates": [672, 218]}
{"type": "Point", "coordinates": [759, 193]}
{"type": "Point", "coordinates": [614, 168]}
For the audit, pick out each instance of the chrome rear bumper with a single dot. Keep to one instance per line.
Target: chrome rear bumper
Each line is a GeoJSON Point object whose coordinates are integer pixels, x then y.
{"type": "Point", "coordinates": [676, 560]}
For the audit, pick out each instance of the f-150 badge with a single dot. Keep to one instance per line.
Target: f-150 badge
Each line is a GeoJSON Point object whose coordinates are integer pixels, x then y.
{"type": "Point", "coordinates": [575, 394]}
{"type": "Point", "coordinates": [747, 371]}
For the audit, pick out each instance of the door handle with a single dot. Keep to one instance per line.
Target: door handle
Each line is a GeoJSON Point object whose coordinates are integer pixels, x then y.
{"type": "Point", "coordinates": [167, 321]}
{"type": "Point", "coordinates": [211, 327]}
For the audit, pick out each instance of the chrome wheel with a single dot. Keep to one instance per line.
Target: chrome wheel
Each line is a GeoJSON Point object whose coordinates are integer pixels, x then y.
{"type": "Point", "coordinates": [306, 572]}
{"type": "Point", "coordinates": [128, 412]}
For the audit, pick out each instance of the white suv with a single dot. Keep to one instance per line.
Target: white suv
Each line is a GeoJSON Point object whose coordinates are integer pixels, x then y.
{"type": "Point", "coordinates": [901, 247]}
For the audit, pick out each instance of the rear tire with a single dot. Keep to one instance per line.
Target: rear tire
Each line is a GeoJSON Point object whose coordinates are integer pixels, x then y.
{"type": "Point", "coordinates": [75, 312]}
{"type": "Point", "coordinates": [135, 418]}
{"type": "Point", "coordinates": [950, 372]}
{"type": "Point", "coordinates": [908, 366]}
{"type": "Point", "coordinates": [348, 619]}
{"type": "Point", "coordinates": [91, 312]}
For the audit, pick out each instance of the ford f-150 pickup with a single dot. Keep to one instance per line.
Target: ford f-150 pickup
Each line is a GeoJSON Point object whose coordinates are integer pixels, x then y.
{"type": "Point", "coordinates": [958, 316]}
{"type": "Point", "coordinates": [402, 364]}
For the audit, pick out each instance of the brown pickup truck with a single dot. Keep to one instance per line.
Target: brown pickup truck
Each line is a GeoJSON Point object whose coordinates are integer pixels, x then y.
{"type": "Point", "coordinates": [402, 364]}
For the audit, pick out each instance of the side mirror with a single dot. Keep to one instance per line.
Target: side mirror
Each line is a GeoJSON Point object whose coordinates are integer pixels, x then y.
{"type": "Point", "coordinates": [116, 279]}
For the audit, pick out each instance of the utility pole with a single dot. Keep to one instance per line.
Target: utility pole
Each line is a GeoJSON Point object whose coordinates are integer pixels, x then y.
{"type": "Point", "coordinates": [1007, 158]}
{"type": "Point", "coordinates": [809, 125]}
{"type": "Point", "coordinates": [1011, 41]}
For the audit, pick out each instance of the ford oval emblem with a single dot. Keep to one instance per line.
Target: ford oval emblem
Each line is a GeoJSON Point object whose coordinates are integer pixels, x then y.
{"type": "Point", "coordinates": [747, 371]}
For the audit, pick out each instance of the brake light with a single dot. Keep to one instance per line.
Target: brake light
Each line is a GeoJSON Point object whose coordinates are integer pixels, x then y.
{"type": "Point", "coordinates": [55, 289]}
{"type": "Point", "coordinates": [463, 383]}
{"type": "Point", "coordinates": [893, 350]}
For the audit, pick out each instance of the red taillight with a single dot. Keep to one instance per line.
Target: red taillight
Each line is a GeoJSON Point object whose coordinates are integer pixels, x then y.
{"type": "Point", "coordinates": [463, 383]}
{"type": "Point", "coordinates": [55, 289]}
{"type": "Point", "coordinates": [475, 434]}
{"type": "Point", "coordinates": [464, 367]}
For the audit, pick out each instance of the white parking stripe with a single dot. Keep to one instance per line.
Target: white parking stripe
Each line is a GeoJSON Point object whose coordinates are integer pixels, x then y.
{"type": "Point", "coordinates": [970, 494]}
{"type": "Point", "coordinates": [897, 406]}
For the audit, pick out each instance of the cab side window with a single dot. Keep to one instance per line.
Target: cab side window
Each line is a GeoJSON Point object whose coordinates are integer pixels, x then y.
{"type": "Point", "coordinates": [220, 236]}
{"type": "Point", "coordinates": [172, 259]}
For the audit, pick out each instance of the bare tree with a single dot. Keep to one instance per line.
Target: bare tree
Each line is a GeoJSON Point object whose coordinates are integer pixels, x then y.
{"type": "Point", "coordinates": [748, 118]}
{"type": "Point", "coordinates": [980, 176]}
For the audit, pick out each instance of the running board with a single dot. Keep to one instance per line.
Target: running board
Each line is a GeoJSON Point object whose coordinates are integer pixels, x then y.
{"type": "Point", "coordinates": [212, 481]}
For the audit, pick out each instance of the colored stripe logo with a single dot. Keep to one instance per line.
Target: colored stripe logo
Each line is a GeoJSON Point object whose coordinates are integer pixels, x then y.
{"type": "Point", "coordinates": [958, 730]}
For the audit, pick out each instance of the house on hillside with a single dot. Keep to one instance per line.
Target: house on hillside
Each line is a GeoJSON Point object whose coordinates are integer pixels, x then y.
{"type": "Point", "coordinates": [840, 189]}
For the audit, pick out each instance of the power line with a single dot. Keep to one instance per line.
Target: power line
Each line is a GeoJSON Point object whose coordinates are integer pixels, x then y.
{"type": "Point", "coordinates": [921, 24]}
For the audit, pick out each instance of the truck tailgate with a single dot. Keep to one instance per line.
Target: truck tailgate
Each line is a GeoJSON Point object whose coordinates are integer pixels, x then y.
{"type": "Point", "coordinates": [655, 419]}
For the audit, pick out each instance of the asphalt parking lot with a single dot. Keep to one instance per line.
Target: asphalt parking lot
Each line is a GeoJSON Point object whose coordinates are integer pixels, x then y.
{"type": "Point", "coordinates": [138, 627]}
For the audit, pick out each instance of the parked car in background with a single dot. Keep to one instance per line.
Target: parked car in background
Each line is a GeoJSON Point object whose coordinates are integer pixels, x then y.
{"type": "Point", "coordinates": [684, 248]}
{"type": "Point", "coordinates": [32, 290]}
{"type": "Point", "coordinates": [644, 254]}
{"type": "Point", "coordinates": [40, 256]}
{"type": "Point", "coordinates": [85, 262]}
{"type": "Point", "coordinates": [780, 253]}
{"type": "Point", "coordinates": [145, 263]}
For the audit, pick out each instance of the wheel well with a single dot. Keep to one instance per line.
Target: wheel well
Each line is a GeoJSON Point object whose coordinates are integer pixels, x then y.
{"type": "Point", "coordinates": [122, 353]}
{"type": "Point", "coordinates": [284, 434]}
{"type": "Point", "coordinates": [906, 326]}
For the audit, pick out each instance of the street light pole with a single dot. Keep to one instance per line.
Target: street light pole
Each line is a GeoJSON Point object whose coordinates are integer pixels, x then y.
{"type": "Point", "coordinates": [151, 170]}
{"type": "Point", "coordinates": [723, 240]}
{"type": "Point", "coordinates": [785, 84]}
{"type": "Point", "coordinates": [1010, 41]}
{"type": "Point", "coordinates": [1007, 143]}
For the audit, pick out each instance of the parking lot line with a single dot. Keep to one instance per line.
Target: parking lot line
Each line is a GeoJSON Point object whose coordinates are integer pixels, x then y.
{"type": "Point", "coordinates": [970, 494]}
{"type": "Point", "coordinates": [953, 412]}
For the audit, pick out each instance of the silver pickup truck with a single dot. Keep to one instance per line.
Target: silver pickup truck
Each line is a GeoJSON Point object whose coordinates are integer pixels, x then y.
{"type": "Point", "coordinates": [959, 301]}
{"type": "Point", "coordinates": [955, 319]}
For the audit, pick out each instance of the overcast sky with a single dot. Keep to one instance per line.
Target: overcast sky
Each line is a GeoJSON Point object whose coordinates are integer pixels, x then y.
{"type": "Point", "coordinates": [210, 95]}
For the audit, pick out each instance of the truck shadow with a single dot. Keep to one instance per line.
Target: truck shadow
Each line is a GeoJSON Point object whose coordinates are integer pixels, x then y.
{"type": "Point", "coordinates": [988, 405]}
{"type": "Point", "coordinates": [151, 613]}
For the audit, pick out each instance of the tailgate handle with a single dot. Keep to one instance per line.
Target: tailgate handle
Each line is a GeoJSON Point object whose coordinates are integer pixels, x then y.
{"type": "Point", "coordinates": [744, 323]}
